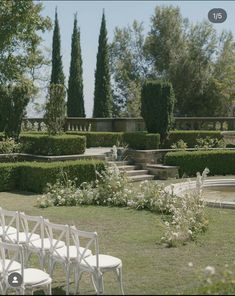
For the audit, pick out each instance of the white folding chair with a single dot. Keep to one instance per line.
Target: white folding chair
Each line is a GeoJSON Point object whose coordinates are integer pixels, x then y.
{"type": "Point", "coordinates": [31, 277]}
{"type": "Point", "coordinates": [41, 247]}
{"type": "Point", "coordinates": [66, 255]}
{"type": "Point", "coordinates": [96, 264]}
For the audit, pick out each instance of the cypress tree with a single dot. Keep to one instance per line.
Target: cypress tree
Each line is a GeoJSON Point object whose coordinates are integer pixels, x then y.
{"type": "Point", "coordinates": [75, 105]}
{"type": "Point", "coordinates": [57, 75]}
{"type": "Point", "coordinates": [102, 93]}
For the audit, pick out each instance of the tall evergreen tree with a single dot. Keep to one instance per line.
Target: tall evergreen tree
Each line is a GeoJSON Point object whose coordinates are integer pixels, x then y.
{"type": "Point", "coordinates": [102, 94]}
{"type": "Point", "coordinates": [75, 105]}
{"type": "Point", "coordinates": [57, 75]}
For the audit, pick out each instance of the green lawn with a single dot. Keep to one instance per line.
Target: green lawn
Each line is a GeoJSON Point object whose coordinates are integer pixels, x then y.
{"type": "Point", "coordinates": [133, 236]}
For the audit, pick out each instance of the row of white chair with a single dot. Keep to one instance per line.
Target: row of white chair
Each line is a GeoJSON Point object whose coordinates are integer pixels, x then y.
{"type": "Point", "coordinates": [59, 243]}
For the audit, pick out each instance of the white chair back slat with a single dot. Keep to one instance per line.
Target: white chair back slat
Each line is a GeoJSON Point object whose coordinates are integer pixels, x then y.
{"type": "Point", "coordinates": [57, 233]}
{"type": "Point", "coordinates": [91, 241]}
{"type": "Point", "coordinates": [32, 225]}
{"type": "Point", "coordinates": [9, 219]}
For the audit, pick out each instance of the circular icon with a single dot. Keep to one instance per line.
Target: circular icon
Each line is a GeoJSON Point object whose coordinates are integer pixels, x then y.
{"type": "Point", "coordinates": [217, 15]}
{"type": "Point", "coordinates": [15, 279]}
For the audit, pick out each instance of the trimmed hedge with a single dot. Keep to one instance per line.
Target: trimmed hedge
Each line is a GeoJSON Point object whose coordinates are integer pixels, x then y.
{"type": "Point", "coordinates": [100, 139]}
{"type": "Point", "coordinates": [142, 140]}
{"type": "Point", "coordinates": [219, 162]}
{"type": "Point", "coordinates": [53, 145]}
{"type": "Point", "coordinates": [135, 140]}
{"type": "Point", "coordinates": [34, 176]}
{"type": "Point", "coordinates": [190, 137]}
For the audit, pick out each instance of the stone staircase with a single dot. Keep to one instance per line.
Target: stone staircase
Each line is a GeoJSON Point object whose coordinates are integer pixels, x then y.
{"type": "Point", "coordinates": [134, 173]}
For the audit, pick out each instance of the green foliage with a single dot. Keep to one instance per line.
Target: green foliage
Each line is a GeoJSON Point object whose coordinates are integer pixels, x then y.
{"type": "Point", "coordinates": [20, 51]}
{"type": "Point", "coordinates": [8, 176]}
{"type": "Point", "coordinates": [128, 69]}
{"type": "Point", "coordinates": [53, 145]}
{"type": "Point", "coordinates": [142, 140]}
{"type": "Point", "coordinates": [179, 145]}
{"type": "Point", "coordinates": [190, 137]}
{"type": "Point", "coordinates": [33, 176]}
{"type": "Point", "coordinates": [157, 99]}
{"type": "Point", "coordinates": [220, 162]}
{"type": "Point", "coordinates": [13, 101]}
{"type": "Point", "coordinates": [55, 109]}
{"type": "Point", "coordinates": [206, 143]}
{"type": "Point", "coordinates": [9, 146]}
{"type": "Point", "coordinates": [75, 104]}
{"type": "Point", "coordinates": [217, 281]}
{"type": "Point", "coordinates": [57, 75]}
{"type": "Point", "coordinates": [102, 93]}
{"type": "Point", "coordinates": [100, 139]}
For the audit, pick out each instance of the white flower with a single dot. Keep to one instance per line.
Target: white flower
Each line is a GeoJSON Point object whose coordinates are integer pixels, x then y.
{"type": "Point", "coordinates": [190, 264]}
{"type": "Point", "coordinates": [209, 270]}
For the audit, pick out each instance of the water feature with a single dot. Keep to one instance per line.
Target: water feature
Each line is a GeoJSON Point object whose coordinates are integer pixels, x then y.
{"type": "Point", "coordinates": [215, 192]}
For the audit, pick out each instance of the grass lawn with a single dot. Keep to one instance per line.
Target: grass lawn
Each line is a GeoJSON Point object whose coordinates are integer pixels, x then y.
{"type": "Point", "coordinates": [134, 236]}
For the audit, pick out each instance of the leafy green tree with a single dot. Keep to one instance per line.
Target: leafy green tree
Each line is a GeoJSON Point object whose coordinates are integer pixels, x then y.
{"type": "Point", "coordinates": [102, 93]}
{"type": "Point", "coordinates": [21, 59]}
{"type": "Point", "coordinates": [55, 109]}
{"type": "Point", "coordinates": [13, 101]}
{"type": "Point", "coordinates": [129, 68]}
{"type": "Point", "coordinates": [57, 75]}
{"type": "Point", "coordinates": [75, 104]}
{"type": "Point", "coordinates": [20, 24]}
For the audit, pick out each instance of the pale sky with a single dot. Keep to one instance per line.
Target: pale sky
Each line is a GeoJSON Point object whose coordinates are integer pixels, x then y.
{"type": "Point", "coordinates": [118, 13]}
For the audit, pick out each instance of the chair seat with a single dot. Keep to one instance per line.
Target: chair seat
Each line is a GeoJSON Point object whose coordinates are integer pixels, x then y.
{"type": "Point", "coordinates": [62, 252]}
{"type": "Point", "coordinates": [33, 276]}
{"type": "Point", "coordinates": [22, 237]}
{"type": "Point", "coordinates": [15, 266]}
{"type": "Point", "coordinates": [46, 242]}
{"type": "Point", "coordinates": [10, 230]}
{"type": "Point", "coordinates": [105, 262]}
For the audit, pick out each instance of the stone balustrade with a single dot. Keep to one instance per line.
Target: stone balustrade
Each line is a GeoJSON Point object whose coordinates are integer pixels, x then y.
{"type": "Point", "coordinates": [132, 124]}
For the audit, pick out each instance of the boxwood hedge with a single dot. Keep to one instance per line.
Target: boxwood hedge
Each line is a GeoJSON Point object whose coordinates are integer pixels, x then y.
{"type": "Point", "coordinates": [219, 162]}
{"type": "Point", "coordinates": [53, 145]}
{"type": "Point", "coordinates": [34, 176]}
{"type": "Point", "coordinates": [190, 137]}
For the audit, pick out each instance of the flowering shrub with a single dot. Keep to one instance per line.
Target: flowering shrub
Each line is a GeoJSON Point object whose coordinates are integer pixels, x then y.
{"type": "Point", "coordinates": [216, 281]}
{"type": "Point", "coordinates": [112, 187]}
{"type": "Point", "coordinates": [188, 215]}
{"type": "Point", "coordinates": [206, 143]}
{"type": "Point", "coordinates": [9, 146]}
{"type": "Point", "coordinates": [180, 145]}
{"type": "Point", "coordinates": [152, 196]}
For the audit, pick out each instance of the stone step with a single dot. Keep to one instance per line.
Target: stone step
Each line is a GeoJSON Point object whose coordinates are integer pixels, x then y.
{"type": "Point", "coordinates": [128, 167]}
{"type": "Point", "coordinates": [139, 178]}
{"type": "Point", "coordinates": [119, 163]}
{"type": "Point", "coordinates": [136, 172]}
{"type": "Point", "coordinates": [163, 172]}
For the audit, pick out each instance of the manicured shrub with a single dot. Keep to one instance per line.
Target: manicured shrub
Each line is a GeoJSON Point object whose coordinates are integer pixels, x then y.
{"type": "Point", "coordinates": [190, 137]}
{"type": "Point", "coordinates": [157, 104]}
{"type": "Point", "coordinates": [100, 139]}
{"type": "Point", "coordinates": [219, 162]}
{"type": "Point", "coordinates": [141, 140]}
{"type": "Point", "coordinates": [53, 145]}
{"type": "Point", "coordinates": [34, 176]}
{"type": "Point", "coordinates": [8, 176]}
